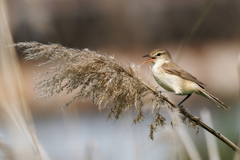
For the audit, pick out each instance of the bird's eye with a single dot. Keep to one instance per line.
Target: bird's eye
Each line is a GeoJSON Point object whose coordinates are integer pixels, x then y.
{"type": "Point", "coordinates": [159, 54]}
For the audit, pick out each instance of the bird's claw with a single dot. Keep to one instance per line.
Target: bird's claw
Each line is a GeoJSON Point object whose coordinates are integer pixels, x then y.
{"type": "Point", "coordinates": [160, 94]}
{"type": "Point", "coordinates": [180, 106]}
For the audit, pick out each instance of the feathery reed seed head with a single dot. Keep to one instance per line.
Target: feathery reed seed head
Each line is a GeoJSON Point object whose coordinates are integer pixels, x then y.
{"type": "Point", "coordinates": [93, 75]}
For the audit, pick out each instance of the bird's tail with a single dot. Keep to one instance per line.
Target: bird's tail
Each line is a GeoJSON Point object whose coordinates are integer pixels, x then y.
{"type": "Point", "coordinates": [214, 99]}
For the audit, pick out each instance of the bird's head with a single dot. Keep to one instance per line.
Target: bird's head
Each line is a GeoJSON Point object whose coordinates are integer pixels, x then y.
{"type": "Point", "coordinates": [158, 54]}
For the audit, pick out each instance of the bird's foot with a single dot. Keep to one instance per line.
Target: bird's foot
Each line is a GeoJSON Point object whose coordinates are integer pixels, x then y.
{"type": "Point", "coordinates": [180, 106]}
{"type": "Point", "coordinates": [160, 94]}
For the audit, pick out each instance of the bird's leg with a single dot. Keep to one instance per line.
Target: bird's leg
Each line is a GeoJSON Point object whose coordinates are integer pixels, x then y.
{"type": "Point", "coordinates": [179, 104]}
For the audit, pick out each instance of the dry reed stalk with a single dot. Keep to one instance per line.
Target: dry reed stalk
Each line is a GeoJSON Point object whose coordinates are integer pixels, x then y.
{"type": "Point", "coordinates": [99, 77]}
{"type": "Point", "coordinates": [17, 115]}
{"type": "Point", "coordinates": [187, 142]}
{"type": "Point", "coordinates": [193, 28]}
{"type": "Point", "coordinates": [211, 142]}
{"type": "Point", "coordinates": [237, 156]}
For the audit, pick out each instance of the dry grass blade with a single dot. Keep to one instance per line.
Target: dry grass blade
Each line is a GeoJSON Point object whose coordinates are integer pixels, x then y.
{"type": "Point", "coordinates": [212, 147]}
{"type": "Point", "coordinates": [16, 116]}
{"type": "Point", "coordinates": [93, 75]}
{"type": "Point", "coordinates": [192, 30]}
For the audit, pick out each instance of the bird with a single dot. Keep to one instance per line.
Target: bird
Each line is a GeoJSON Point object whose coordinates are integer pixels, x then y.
{"type": "Point", "coordinates": [173, 78]}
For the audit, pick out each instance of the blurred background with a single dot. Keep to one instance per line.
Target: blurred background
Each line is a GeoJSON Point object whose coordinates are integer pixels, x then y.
{"type": "Point", "coordinates": [203, 37]}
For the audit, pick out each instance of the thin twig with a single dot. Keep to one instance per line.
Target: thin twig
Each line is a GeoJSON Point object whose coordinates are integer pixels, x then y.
{"type": "Point", "coordinates": [206, 127]}
{"type": "Point", "coordinates": [212, 131]}
{"type": "Point", "coordinates": [200, 123]}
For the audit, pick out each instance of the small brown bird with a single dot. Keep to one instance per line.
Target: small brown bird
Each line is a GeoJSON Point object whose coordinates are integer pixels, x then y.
{"type": "Point", "coordinates": [174, 79]}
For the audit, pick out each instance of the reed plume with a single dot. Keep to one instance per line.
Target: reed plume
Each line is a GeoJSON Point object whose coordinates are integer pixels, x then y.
{"type": "Point", "coordinates": [97, 76]}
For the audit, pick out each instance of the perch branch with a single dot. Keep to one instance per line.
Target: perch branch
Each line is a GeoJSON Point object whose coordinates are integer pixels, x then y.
{"type": "Point", "coordinates": [200, 123]}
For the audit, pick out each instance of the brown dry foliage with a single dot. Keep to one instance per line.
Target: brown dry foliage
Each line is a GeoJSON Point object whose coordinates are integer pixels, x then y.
{"type": "Point", "coordinates": [90, 74]}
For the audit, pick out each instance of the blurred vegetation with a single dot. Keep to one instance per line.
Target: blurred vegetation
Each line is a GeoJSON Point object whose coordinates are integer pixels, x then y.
{"type": "Point", "coordinates": [121, 27]}
{"type": "Point", "coordinates": [81, 23]}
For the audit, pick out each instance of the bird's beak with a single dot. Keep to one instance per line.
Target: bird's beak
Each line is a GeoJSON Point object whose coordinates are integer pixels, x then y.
{"type": "Point", "coordinates": [149, 60]}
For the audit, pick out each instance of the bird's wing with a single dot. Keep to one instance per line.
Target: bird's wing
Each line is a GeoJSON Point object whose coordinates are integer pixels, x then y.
{"type": "Point", "coordinates": [173, 69]}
